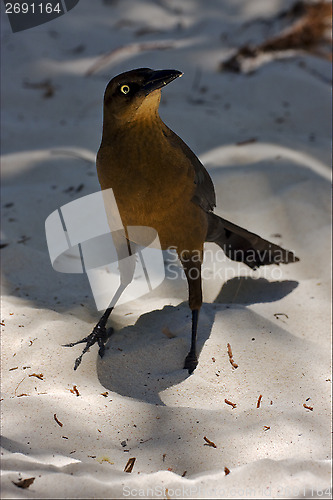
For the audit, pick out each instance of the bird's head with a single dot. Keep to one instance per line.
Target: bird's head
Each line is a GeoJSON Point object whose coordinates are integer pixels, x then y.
{"type": "Point", "coordinates": [136, 93]}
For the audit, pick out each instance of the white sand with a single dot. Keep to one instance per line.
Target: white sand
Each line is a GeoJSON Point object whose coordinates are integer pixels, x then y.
{"type": "Point", "coordinates": [276, 320]}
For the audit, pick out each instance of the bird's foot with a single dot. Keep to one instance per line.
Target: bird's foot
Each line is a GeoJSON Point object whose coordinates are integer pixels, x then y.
{"type": "Point", "coordinates": [99, 335]}
{"type": "Point", "coordinates": [191, 362]}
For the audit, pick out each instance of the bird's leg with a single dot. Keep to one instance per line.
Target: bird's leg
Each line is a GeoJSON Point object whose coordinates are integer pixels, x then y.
{"type": "Point", "coordinates": [191, 359]}
{"type": "Point", "coordinates": [126, 265]}
{"type": "Point", "coordinates": [99, 334]}
{"type": "Point", "coordinates": [191, 262]}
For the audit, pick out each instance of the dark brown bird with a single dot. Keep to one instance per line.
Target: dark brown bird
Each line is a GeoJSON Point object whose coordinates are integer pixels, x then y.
{"type": "Point", "coordinates": [159, 182]}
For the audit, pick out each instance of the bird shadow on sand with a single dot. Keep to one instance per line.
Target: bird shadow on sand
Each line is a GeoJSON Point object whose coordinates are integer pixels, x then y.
{"type": "Point", "coordinates": [144, 359]}
{"type": "Point", "coordinates": [247, 290]}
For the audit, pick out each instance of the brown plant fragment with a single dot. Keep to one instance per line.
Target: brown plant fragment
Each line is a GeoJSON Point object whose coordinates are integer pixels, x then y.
{"type": "Point", "coordinates": [277, 315]}
{"type": "Point", "coordinates": [259, 401]}
{"type": "Point", "coordinates": [230, 403]}
{"type": "Point", "coordinates": [37, 375]}
{"type": "Point", "coordinates": [130, 464]}
{"type": "Point", "coordinates": [232, 362]}
{"type": "Point", "coordinates": [57, 420]}
{"type": "Point", "coordinates": [304, 27]}
{"type": "Point", "coordinates": [75, 390]}
{"type": "Point", "coordinates": [309, 30]}
{"type": "Point", "coordinates": [209, 442]}
{"type": "Point", "coordinates": [24, 483]}
{"type": "Point", "coordinates": [168, 333]}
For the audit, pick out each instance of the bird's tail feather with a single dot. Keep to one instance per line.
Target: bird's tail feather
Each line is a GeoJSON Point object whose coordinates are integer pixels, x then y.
{"type": "Point", "coordinates": [243, 246]}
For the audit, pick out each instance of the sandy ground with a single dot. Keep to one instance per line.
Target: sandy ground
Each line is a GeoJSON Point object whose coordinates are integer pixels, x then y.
{"type": "Point", "coordinates": [265, 139]}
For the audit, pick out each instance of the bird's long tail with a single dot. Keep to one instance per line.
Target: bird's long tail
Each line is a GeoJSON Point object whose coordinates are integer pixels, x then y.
{"type": "Point", "coordinates": [243, 246]}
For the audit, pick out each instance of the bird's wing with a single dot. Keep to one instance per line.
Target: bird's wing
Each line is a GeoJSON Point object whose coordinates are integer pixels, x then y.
{"type": "Point", "coordinates": [204, 194]}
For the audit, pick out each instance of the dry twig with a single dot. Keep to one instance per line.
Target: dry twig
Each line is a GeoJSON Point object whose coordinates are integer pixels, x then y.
{"type": "Point", "coordinates": [75, 390]}
{"type": "Point", "coordinates": [37, 375]}
{"type": "Point", "coordinates": [232, 362]}
{"type": "Point", "coordinates": [259, 401]}
{"type": "Point", "coordinates": [230, 403]}
{"type": "Point", "coordinates": [209, 442]}
{"type": "Point", "coordinates": [130, 464]}
{"type": "Point", "coordinates": [57, 420]}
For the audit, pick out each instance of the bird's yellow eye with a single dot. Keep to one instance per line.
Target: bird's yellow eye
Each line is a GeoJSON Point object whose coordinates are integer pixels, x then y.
{"type": "Point", "coordinates": [124, 89]}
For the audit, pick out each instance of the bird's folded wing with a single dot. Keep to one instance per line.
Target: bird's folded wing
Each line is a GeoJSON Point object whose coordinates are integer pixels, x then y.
{"type": "Point", "coordinates": [204, 194]}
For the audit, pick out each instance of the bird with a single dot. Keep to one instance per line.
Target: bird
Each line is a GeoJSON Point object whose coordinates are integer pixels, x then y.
{"type": "Point", "coordinates": [159, 182]}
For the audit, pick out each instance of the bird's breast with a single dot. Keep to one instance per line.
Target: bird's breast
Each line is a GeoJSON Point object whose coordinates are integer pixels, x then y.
{"type": "Point", "coordinates": [153, 184]}
{"type": "Point", "coordinates": [146, 173]}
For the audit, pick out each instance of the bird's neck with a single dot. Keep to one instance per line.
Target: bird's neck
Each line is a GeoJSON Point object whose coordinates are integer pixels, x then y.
{"type": "Point", "coordinates": [143, 117]}
{"type": "Point", "coordinates": [126, 133]}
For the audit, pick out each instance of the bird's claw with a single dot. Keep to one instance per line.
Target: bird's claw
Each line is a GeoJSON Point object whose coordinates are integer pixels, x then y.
{"type": "Point", "coordinates": [191, 362]}
{"type": "Point", "coordinates": [100, 335]}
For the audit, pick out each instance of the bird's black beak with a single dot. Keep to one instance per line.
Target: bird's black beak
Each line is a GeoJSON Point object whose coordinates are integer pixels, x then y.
{"type": "Point", "coordinates": [159, 79]}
